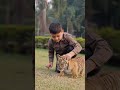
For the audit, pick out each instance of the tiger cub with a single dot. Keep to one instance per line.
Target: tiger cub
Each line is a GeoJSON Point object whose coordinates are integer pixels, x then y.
{"type": "Point", "coordinates": [75, 65]}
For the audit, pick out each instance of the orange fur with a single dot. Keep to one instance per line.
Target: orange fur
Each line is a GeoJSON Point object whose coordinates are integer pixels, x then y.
{"type": "Point", "coordinates": [75, 65]}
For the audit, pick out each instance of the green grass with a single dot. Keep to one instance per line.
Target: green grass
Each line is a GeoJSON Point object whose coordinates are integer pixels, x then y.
{"type": "Point", "coordinates": [16, 72]}
{"type": "Point", "coordinates": [49, 80]}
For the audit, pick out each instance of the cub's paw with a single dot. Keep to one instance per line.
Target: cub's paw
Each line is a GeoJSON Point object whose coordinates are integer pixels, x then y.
{"type": "Point", "coordinates": [61, 74]}
{"type": "Point", "coordinates": [74, 76]}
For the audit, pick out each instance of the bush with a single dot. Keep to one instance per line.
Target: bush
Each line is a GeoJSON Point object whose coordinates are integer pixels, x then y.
{"type": "Point", "coordinates": [112, 37]}
{"type": "Point", "coordinates": [17, 38]}
{"type": "Point", "coordinates": [42, 41]}
{"type": "Point", "coordinates": [81, 41]}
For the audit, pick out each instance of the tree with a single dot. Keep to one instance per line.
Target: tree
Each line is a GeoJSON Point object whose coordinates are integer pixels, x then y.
{"type": "Point", "coordinates": [70, 13]}
{"type": "Point", "coordinates": [40, 7]}
{"type": "Point", "coordinates": [17, 12]}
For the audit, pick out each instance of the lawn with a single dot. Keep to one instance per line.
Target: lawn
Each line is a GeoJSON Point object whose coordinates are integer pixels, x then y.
{"type": "Point", "coordinates": [49, 80]}
{"type": "Point", "coordinates": [16, 72]}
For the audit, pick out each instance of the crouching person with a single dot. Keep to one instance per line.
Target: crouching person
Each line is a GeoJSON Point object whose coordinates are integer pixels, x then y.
{"type": "Point", "coordinates": [61, 43]}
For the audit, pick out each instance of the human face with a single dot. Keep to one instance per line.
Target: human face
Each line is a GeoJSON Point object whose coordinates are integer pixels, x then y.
{"type": "Point", "coordinates": [57, 37]}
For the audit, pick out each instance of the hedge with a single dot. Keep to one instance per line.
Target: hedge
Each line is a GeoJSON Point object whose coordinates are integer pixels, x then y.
{"type": "Point", "coordinates": [18, 39]}
{"type": "Point", "coordinates": [112, 37]}
{"type": "Point", "coordinates": [42, 41]}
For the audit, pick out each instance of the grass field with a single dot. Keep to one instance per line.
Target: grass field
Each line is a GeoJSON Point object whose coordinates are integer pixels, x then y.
{"type": "Point", "coordinates": [16, 72]}
{"type": "Point", "coordinates": [49, 80]}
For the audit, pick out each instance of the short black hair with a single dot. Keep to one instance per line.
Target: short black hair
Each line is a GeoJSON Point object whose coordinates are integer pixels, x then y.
{"type": "Point", "coordinates": [55, 28]}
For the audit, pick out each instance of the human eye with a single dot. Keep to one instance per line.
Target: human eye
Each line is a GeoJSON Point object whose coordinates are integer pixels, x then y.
{"type": "Point", "coordinates": [58, 35]}
{"type": "Point", "coordinates": [53, 36]}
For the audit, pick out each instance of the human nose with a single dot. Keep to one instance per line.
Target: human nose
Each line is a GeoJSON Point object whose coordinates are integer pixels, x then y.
{"type": "Point", "coordinates": [56, 38]}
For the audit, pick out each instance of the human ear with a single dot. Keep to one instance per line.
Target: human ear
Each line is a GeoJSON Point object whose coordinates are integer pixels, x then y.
{"type": "Point", "coordinates": [62, 30]}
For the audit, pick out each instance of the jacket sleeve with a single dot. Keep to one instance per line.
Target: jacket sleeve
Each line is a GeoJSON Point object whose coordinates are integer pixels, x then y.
{"type": "Point", "coordinates": [74, 43]}
{"type": "Point", "coordinates": [50, 51]}
{"type": "Point", "coordinates": [102, 52]}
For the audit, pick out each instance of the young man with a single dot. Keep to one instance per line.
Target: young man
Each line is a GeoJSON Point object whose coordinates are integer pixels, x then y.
{"type": "Point", "coordinates": [62, 43]}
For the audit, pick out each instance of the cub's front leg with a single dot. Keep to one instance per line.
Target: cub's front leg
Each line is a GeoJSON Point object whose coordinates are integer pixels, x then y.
{"type": "Point", "coordinates": [75, 72]}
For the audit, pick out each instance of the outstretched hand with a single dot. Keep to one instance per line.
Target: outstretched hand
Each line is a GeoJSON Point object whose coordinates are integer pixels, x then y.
{"type": "Point", "coordinates": [50, 65]}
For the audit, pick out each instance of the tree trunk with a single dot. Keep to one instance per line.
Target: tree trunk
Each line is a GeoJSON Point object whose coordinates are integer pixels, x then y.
{"type": "Point", "coordinates": [43, 24]}
{"type": "Point", "coordinates": [7, 13]}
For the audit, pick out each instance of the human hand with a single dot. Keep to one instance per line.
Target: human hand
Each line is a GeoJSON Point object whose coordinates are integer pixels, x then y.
{"type": "Point", "coordinates": [50, 65]}
{"type": "Point", "coordinates": [66, 57]}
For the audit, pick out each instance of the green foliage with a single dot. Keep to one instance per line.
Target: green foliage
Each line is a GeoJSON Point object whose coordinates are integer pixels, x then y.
{"type": "Point", "coordinates": [39, 6]}
{"type": "Point", "coordinates": [81, 41]}
{"type": "Point", "coordinates": [112, 36]}
{"type": "Point", "coordinates": [70, 13]}
{"type": "Point", "coordinates": [42, 41]}
{"type": "Point", "coordinates": [16, 38]}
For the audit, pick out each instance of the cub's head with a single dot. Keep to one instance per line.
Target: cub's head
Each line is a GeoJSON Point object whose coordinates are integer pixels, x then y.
{"type": "Point", "coordinates": [62, 64]}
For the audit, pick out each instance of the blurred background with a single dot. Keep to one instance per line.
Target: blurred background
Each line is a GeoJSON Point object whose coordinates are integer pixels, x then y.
{"type": "Point", "coordinates": [17, 44]}
{"type": "Point", "coordinates": [70, 13]}
{"type": "Point", "coordinates": [16, 26]}
{"type": "Point", "coordinates": [104, 17]}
